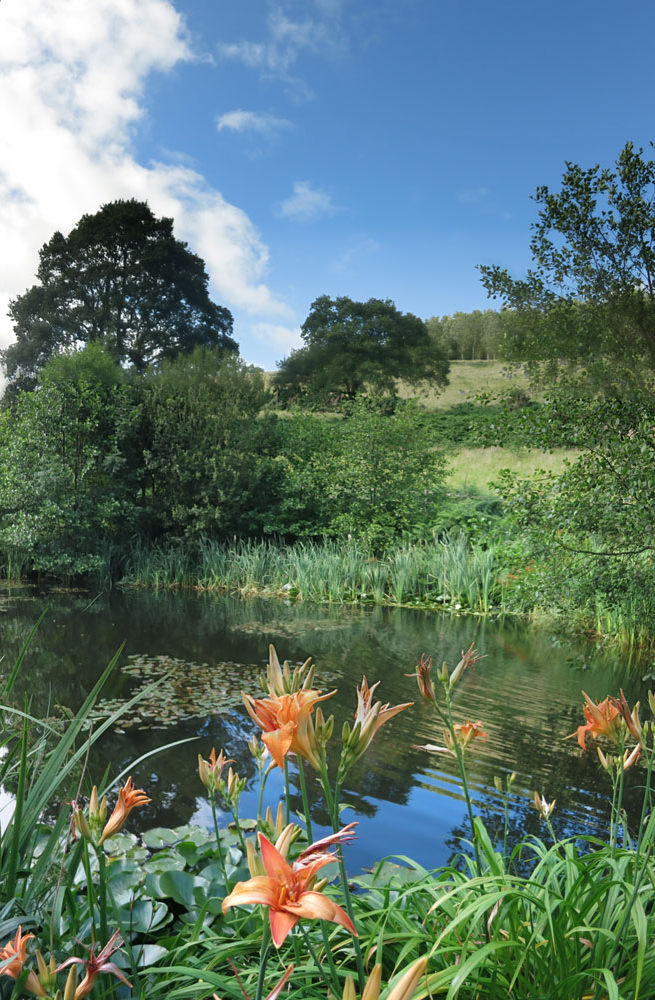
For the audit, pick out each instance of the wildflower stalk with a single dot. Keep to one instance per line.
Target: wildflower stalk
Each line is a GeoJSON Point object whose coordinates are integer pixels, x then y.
{"type": "Point", "coordinates": [331, 983]}
{"type": "Point", "coordinates": [102, 893]}
{"type": "Point", "coordinates": [646, 802]}
{"type": "Point", "coordinates": [287, 794]}
{"type": "Point", "coordinates": [305, 801]}
{"type": "Point", "coordinates": [235, 813]}
{"type": "Point", "coordinates": [219, 849]}
{"type": "Point", "coordinates": [263, 958]}
{"type": "Point", "coordinates": [333, 803]}
{"type": "Point", "coordinates": [90, 888]}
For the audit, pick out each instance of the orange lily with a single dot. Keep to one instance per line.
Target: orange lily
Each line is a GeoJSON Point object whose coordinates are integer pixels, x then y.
{"type": "Point", "coordinates": [603, 719]}
{"type": "Point", "coordinates": [287, 891]}
{"type": "Point", "coordinates": [128, 798]}
{"type": "Point", "coordinates": [465, 733]}
{"type": "Point", "coordinates": [96, 964]}
{"type": "Point", "coordinates": [287, 724]}
{"type": "Point", "coordinates": [15, 953]}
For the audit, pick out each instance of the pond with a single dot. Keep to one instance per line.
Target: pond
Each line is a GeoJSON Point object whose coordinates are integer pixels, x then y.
{"type": "Point", "coordinates": [201, 650]}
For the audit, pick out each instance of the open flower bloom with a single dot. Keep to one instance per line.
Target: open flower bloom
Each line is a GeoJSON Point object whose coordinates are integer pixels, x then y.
{"type": "Point", "coordinates": [286, 723]}
{"type": "Point", "coordinates": [128, 798]}
{"type": "Point", "coordinates": [95, 964]}
{"type": "Point", "coordinates": [15, 954]}
{"type": "Point", "coordinates": [465, 734]}
{"type": "Point", "coordinates": [287, 891]}
{"type": "Point", "coordinates": [603, 719]}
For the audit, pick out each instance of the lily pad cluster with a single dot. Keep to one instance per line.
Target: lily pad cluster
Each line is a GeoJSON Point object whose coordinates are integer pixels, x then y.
{"type": "Point", "coordinates": [289, 628]}
{"type": "Point", "coordinates": [172, 690]}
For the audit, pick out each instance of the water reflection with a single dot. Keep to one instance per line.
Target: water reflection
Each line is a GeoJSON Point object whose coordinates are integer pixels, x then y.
{"type": "Point", "coordinates": [526, 691]}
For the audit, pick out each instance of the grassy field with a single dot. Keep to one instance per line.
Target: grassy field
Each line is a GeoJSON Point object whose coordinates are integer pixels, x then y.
{"type": "Point", "coordinates": [466, 379]}
{"type": "Point", "coordinates": [476, 467]}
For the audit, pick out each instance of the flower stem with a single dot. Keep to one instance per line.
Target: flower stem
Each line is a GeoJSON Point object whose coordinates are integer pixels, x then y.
{"type": "Point", "coordinates": [305, 801]}
{"type": "Point", "coordinates": [102, 894]}
{"type": "Point", "coordinates": [221, 856]}
{"type": "Point", "coordinates": [287, 794]}
{"type": "Point", "coordinates": [263, 958]}
{"type": "Point", "coordinates": [361, 975]}
{"type": "Point", "coordinates": [331, 985]}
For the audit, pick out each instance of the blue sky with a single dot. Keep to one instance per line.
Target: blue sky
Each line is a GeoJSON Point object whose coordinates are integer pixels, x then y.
{"type": "Point", "coordinates": [310, 147]}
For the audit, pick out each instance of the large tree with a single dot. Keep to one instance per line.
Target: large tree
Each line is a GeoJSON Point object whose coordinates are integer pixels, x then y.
{"type": "Point", "coordinates": [350, 346]}
{"type": "Point", "coordinates": [588, 302]}
{"type": "Point", "coordinates": [122, 279]}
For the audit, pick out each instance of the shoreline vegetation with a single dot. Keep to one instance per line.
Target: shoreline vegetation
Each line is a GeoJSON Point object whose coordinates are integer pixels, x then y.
{"type": "Point", "coordinates": [240, 909]}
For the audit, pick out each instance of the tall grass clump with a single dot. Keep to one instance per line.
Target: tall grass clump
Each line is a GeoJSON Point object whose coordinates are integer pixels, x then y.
{"type": "Point", "coordinates": [449, 572]}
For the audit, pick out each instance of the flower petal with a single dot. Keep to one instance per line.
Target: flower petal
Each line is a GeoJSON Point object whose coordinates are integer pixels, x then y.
{"type": "Point", "coordinates": [281, 923]}
{"type": "Point", "coordinates": [278, 742]}
{"type": "Point", "coordinates": [316, 906]}
{"type": "Point", "coordinates": [259, 889]}
{"type": "Point", "coordinates": [277, 868]}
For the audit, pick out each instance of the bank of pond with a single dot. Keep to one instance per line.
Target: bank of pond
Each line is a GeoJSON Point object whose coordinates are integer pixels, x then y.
{"type": "Point", "coordinates": [471, 846]}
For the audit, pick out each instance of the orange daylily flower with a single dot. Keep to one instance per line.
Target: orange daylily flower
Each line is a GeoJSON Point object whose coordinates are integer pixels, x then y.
{"type": "Point", "coordinates": [15, 952]}
{"type": "Point", "coordinates": [466, 732]}
{"type": "Point", "coordinates": [128, 798]}
{"type": "Point", "coordinates": [286, 723]}
{"type": "Point", "coordinates": [603, 719]}
{"type": "Point", "coordinates": [95, 964]}
{"type": "Point", "coordinates": [287, 890]}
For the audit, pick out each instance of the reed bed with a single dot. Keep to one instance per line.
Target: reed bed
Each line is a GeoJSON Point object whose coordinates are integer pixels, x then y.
{"type": "Point", "coordinates": [447, 572]}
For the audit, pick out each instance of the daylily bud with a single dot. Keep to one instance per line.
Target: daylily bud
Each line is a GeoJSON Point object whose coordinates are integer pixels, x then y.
{"type": "Point", "coordinates": [651, 701]}
{"type": "Point", "coordinates": [404, 988]}
{"type": "Point", "coordinates": [47, 972]}
{"type": "Point", "coordinates": [469, 657]}
{"type": "Point", "coordinates": [544, 808]}
{"type": "Point", "coordinates": [211, 771]}
{"type": "Point", "coordinates": [71, 984]}
{"type": "Point", "coordinates": [498, 785]}
{"type": "Point", "coordinates": [286, 837]}
{"type": "Point", "coordinates": [425, 685]}
{"type": "Point", "coordinates": [349, 989]}
{"type": "Point", "coordinates": [372, 988]}
{"type": "Point", "coordinates": [255, 863]}
{"type": "Point", "coordinates": [82, 824]}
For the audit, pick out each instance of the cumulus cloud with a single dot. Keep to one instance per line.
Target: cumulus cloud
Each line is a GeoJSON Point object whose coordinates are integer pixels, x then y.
{"type": "Point", "coordinates": [252, 121]}
{"type": "Point", "coordinates": [306, 204]}
{"type": "Point", "coordinates": [73, 83]}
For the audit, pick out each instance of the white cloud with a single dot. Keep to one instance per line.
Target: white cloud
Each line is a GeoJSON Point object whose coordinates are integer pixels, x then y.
{"type": "Point", "coordinates": [73, 81]}
{"type": "Point", "coordinates": [275, 335]}
{"type": "Point", "coordinates": [306, 203]}
{"type": "Point", "coordinates": [287, 39]}
{"type": "Point", "coordinates": [252, 121]}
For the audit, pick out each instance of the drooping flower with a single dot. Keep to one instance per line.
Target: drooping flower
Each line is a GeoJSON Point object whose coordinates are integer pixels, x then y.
{"type": "Point", "coordinates": [287, 890]}
{"type": "Point", "coordinates": [423, 678]}
{"type": "Point", "coordinates": [287, 725]}
{"type": "Point", "coordinates": [631, 718]}
{"type": "Point", "coordinates": [95, 964]}
{"type": "Point", "coordinates": [15, 954]}
{"type": "Point", "coordinates": [211, 770]}
{"type": "Point", "coordinates": [603, 719]}
{"type": "Point", "coordinates": [128, 798]}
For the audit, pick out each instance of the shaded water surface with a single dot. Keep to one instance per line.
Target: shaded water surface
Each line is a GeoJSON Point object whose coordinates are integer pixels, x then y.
{"type": "Point", "coordinates": [201, 650]}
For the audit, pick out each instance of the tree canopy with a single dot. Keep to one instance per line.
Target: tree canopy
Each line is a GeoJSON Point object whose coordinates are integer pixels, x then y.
{"type": "Point", "coordinates": [351, 345]}
{"type": "Point", "coordinates": [589, 299]}
{"type": "Point", "coordinates": [122, 279]}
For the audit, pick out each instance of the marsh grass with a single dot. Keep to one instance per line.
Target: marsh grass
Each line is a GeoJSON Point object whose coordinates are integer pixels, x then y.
{"type": "Point", "coordinates": [446, 572]}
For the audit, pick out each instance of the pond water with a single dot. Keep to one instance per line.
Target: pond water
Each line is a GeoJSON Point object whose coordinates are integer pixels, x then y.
{"type": "Point", "coordinates": [202, 650]}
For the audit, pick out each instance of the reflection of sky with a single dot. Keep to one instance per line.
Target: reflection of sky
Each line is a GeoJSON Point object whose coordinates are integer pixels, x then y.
{"type": "Point", "coordinates": [7, 801]}
{"type": "Point", "coordinates": [526, 692]}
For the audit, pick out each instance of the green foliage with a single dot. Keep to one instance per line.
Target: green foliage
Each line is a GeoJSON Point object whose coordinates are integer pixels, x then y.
{"type": "Point", "coordinates": [353, 346]}
{"type": "Point", "coordinates": [588, 303]}
{"type": "Point", "coordinates": [205, 446]}
{"type": "Point", "coordinates": [120, 278]}
{"type": "Point", "coordinates": [468, 336]}
{"type": "Point", "coordinates": [66, 489]}
{"type": "Point", "coordinates": [371, 476]}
